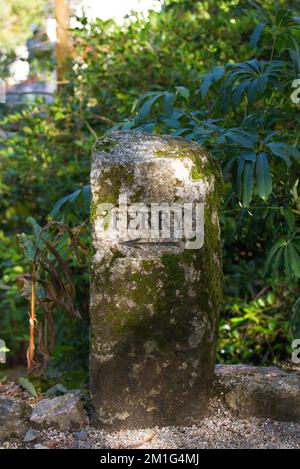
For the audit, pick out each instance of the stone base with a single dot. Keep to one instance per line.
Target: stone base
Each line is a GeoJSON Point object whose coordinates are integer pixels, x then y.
{"type": "Point", "coordinates": [269, 394]}
{"type": "Point", "coordinates": [153, 400]}
{"type": "Point", "coordinates": [251, 391]}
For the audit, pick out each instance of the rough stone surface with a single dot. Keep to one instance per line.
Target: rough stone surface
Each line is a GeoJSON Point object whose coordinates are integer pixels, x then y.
{"type": "Point", "coordinates": [219, 429]}
{"type": "Point", "coordinates": [154, 306]}
{"type": "Point", "coordinates": [31, 435]}
{"type": "Point", "coordinates": [81, 436]}
{"type": "Point", "coordinates": [62, 412]}
{"type": "Point", "coordinates": [261, 392]}
{"type": "Point", "coordinates": [13, 416]}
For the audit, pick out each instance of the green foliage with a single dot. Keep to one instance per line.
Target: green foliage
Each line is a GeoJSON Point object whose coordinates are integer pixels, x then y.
{"type": "Point", "coordinates": [50, 283]}
{"type": "Point", "coordinates": [295, 319]}
{"type": "Point", "coordinates": [244, 114]}
{"type": "Point", "coordinates": [16, 18]}
{"type": "Point", "coordinates": [254, 332]}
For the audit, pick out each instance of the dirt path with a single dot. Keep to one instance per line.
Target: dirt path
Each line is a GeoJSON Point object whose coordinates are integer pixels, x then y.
{"type": "Point", "coordinates": [221, 429]}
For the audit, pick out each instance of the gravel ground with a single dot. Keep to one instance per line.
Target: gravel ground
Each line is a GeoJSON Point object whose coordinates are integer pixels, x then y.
{"type": "Point", "coordinates": [220, 429]}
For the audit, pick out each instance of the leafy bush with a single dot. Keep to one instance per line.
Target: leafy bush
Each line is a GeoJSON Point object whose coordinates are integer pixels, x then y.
{"type": "Point", "coordinates": [245, 116]}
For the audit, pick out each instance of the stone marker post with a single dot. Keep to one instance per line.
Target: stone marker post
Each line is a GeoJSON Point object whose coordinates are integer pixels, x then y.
{"type": "Point", "coordinates": [156, 279]}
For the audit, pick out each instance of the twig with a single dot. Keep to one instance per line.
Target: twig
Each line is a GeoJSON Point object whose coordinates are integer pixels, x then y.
{"type": "Point", "coordinates": [141, 442]}
{"type": "Point", "coordinates": [261, 293]}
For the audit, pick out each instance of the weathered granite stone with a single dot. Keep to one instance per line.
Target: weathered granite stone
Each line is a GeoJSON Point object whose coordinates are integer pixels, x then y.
{"type": "Point", "coordinates": [154, 302]}
{"type": "Point", "coordinates": [31, 435]}
{"type": "Point", "coordinates": [13, 417]}
{"type": "Point", "coordinates": [81, 436]}
{"type": "Point", "coordinates": [261, 391]}
{"type": "Point", "coordinates": [62, 412]}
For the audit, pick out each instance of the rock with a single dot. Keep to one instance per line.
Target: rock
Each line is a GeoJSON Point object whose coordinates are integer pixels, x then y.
{"type": "Point", "coordinates": [271, 446]}
{"type": "Point", "coordinates": [86, 446]}
{"type": "Point", "coordinates": [81, 436]}
{"type": "Point", "coordinates": [52, 444]}
{"type": "Point", "coordinates": [13, 417]}
{"type": "Point", "coordinates": [39, 446]}
{"type": "Point", "coordinates": [73, 445]}
{"type": "Point", "coordinates": [56, 390]}
{"type": "Point", "coordinates": [62, 412]}
{"type": "Point", "coordinates": [31, 435]}
{"type": "Point", "coordinates": [261, 392]}
{"type": "Point", "coordinates": [155, 292]}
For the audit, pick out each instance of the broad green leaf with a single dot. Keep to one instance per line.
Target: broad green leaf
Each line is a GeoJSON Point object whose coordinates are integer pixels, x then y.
{"type": "Point", "coordinates": [138, 103]}
{"type": "Point", "coordinates": [240, 169]}
{"type": "Point", "coordinates": [206, 84]}
{"type": "Point", "coordinates": [238, 92]}
{"type": "Point", "coordinates": [295, 320]}
{"type": "Point", "coordinates": [278, 246]}
{"type": "Point", "coordinates": [173, 123]}
{"type": "Point", "coordinates": [183, 91]}
{"type": "Point", "coordinates": [280, 149]}
{"type": "Point", "coordinates": [295, 259]}
{"type": "Point", "coordinates": [293, 152]}
{"type": "Point", "coordinates": [289, 216]}
{"type": "Point", "coordinates": [244, 139]}
{"type": "Point", "coordinates": [263, 176]}
{"type": "Point", "coordinates": [253, 91]}
{"type": "Point", "coordinates": [68, 198]}
{"type": "Point", "coordinates": [288, 265]}
{"type": "Point", "coordinates": [277, 263]}
{"type": "Point", "coordinates": [28, 246]}
{"type": "Point", "coordinates": [248, 183]}
{"type": "Point", "coordinates": [168, 106]}
{"type": "Point", "coordinates": [145, 109]}
{"type": "Point", "coordinates": [249, 156]}
{"type": "Point", "coordinates": [36, 227]}
{"type": "Point", "coordinates": [255, 36]}
{"type": "Point", "coordinates": [209, 78]}
{"type": "Point", "coordinates": [28, 386]}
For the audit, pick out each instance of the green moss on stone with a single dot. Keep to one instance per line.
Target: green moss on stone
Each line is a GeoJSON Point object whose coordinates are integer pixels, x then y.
{"type": "Point", "coordinates": [105, 143]}
{"type": "Point", "coordinates": [109, 186]}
